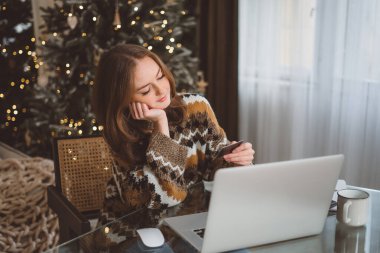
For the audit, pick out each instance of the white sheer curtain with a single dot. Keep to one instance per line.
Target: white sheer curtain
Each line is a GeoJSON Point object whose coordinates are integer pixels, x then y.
{"type": "Point", "coordinates": [309, 82]}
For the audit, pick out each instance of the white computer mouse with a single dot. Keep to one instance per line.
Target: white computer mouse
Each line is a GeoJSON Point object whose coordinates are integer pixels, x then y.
{"type": "Point", "coordinates": [151, 237]}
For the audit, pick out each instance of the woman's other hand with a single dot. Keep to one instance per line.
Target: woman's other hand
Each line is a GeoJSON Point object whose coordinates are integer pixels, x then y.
{"type": "Point", "coordinates": [242, 155]}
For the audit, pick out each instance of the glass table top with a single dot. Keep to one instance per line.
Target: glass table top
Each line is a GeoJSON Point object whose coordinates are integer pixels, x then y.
{"type": "Point", "coordinates": [335, 237]}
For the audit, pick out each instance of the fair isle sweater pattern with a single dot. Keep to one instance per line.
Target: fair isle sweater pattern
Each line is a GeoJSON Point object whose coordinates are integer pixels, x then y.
{"type": "Point", "coordinates": [173, 164]}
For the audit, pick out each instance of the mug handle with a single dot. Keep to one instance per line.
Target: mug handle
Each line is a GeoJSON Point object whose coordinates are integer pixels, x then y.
{"type": "Point", "coordinates": [346, 219]}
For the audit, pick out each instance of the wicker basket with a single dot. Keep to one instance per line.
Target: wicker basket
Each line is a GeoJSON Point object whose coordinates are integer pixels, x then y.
{"type": "Point", "coordinates": [26, 222]}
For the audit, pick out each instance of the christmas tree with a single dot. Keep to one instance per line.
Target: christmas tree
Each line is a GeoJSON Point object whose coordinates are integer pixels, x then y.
{"type": "Point", "coordinates": [76, 34]}
{"type": "Point", "coordinates": [18, 63]}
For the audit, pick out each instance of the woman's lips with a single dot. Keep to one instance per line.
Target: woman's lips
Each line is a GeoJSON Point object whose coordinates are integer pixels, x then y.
{"type": "Point", "coordinates": [162, 99]}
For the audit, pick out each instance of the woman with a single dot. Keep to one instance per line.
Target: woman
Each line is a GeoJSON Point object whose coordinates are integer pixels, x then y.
{"type": "Point", "coordinates": [162, 142]}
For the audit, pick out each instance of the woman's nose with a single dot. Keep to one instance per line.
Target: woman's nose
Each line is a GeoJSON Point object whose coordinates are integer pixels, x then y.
{"type": "Point", "coordinates": [157, 89]}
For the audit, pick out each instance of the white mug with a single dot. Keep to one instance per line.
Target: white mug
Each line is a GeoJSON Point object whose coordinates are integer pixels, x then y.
{"type": "Point", "coordinates": [352, 207]}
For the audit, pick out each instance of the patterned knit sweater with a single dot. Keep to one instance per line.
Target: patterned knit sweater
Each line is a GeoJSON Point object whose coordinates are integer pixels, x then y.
{"type": "Point", "coordinates": [173, 164]}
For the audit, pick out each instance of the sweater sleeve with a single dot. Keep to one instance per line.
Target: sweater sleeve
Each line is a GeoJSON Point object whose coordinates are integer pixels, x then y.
{"type": "Point", "coordinates": [166, 161]}
{"type": "Point", "coordinates": [159, 183]}
{"type": "Point", "coordinates": [215, 139]}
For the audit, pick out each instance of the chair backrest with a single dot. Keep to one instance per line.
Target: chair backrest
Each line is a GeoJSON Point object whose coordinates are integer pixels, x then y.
{"type": "Point", "coordinates": [82, 169]}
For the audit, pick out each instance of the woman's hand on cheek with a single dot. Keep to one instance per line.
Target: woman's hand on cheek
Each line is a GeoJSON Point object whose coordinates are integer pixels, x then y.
{"type": "Point", "coordinates": [141, 111]}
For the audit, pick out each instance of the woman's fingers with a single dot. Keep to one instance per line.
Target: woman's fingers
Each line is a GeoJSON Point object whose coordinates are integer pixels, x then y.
{"type": "Point", "coordinates": [243, 146]}
{"type": "Point", "coordinates": [242, 155]}
{"type": "Point", "coordinates": [140, 112]}
{"type": "Point", "coordinates": [145, 109]}
{"type": "Point", "coordinates": [137, 110]}
{"type": "Point", "coordinates": [241, 158]}
{"type": "Point", "coordinates": [245, 152]}
{"type": "Point", "coordinates": [132, 110]}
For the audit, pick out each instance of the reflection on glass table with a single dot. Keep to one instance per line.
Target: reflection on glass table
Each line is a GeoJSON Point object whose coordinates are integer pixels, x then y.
{"type": "Point", "coordinates": [335, 236]}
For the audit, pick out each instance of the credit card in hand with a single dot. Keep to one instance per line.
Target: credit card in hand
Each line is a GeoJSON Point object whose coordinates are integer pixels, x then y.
{"type": "Point", "coordinates": [228, 149]}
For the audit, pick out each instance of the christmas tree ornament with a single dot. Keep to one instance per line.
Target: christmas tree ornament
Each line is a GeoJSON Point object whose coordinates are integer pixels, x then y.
{"type": "Point", "coordinates": [42, 79]}
{"type": "Point", "coordinates": [116, 20]}
{"type": "Point", "coordinates": [72, 20]}
{"type": "Point", "coordinates": [202, 84]}
{"type": "Point", "coordinates": [97, 53]}
{"type": "Point", "coordinates": [27, 138]}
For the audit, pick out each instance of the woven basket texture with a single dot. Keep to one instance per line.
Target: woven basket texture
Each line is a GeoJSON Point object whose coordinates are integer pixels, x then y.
{"type": "Point", "coordinates": [26, 222]}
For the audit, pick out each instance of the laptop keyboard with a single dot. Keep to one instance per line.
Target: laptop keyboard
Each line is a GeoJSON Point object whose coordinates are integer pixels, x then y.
{"type": "Point", "coordinates": [200, 232]}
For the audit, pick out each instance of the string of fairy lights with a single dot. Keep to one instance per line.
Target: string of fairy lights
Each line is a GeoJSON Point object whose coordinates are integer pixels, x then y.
{"type": "Point", "coordinates": [13, 110]}
{"type": "Point", "coordinates": [160, 28]}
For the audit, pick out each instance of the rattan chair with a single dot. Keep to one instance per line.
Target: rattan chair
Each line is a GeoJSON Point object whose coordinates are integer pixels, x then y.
{"type": "Point", "coordinates": [82, 169]}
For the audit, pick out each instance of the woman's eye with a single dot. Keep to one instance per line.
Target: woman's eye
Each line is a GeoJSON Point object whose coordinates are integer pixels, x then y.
{"type": "Point", "coordinates": [145, 93]}
{"type": "Point", "coordinates": [162, 76]}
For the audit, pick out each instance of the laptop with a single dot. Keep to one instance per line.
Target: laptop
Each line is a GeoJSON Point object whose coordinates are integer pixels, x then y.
{"type": "Point", "coordinates": [261, 204]}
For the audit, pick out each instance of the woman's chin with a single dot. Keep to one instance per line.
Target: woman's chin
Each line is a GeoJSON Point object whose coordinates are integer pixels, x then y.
{"type": "Point", "coordinates": [159, 107]}
{"type": "Point", "coordinates": [163, 105]}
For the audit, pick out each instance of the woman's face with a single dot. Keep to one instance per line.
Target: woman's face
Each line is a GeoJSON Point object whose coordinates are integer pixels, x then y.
{"type": "Point", "coordinates": [150, 84]}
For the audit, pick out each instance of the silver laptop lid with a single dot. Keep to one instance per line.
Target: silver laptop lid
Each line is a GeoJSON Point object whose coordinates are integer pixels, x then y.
{"type": "Point", "coordinates": [255, 205]}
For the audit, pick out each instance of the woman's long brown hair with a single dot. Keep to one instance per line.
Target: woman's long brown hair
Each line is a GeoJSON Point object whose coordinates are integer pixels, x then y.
{"type": "Point", "coordinates": [112, 93]}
